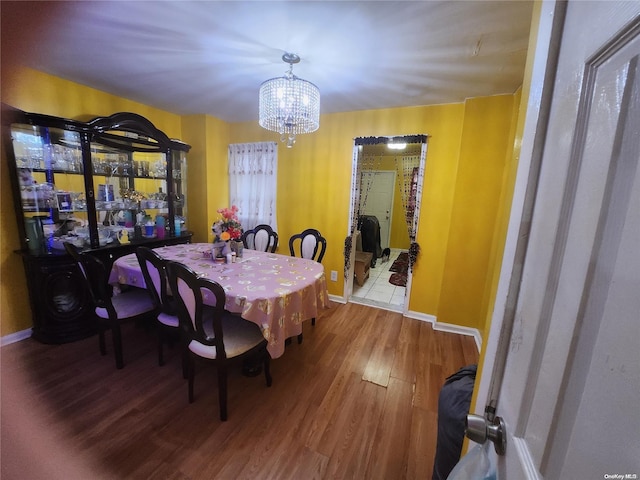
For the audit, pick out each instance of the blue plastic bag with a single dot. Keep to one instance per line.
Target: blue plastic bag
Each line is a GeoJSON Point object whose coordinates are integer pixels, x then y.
{"type": "Point", "coordinates": [477, 464]}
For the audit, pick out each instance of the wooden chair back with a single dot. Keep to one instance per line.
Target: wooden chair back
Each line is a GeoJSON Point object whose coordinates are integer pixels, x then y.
{"type": "Point", "coordinates": [96, 275]}
{"type": "Point", "coordinates": [262, 238]}
{"type": "Point", "coordinates": [189, 292]}
{"type": "Point", "coordinates": [154, 271]}
{"type": "Point", "coordinates": [308, 244]}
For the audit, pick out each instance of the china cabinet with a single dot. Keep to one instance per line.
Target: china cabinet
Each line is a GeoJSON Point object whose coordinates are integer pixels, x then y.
{"type": "Point", "coordinates": [107, 186]}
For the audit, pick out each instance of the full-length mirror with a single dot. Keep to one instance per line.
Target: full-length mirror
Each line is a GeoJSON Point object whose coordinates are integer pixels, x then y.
{"type": "Point", "coordinates": [385, 205]}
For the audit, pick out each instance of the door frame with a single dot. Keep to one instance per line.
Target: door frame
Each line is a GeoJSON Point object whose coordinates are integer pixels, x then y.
{"type": "Point", "coordinates": [534, 116]}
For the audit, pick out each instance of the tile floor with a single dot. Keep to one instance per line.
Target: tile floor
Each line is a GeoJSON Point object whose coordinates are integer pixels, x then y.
{"type": "Point", "coordinates": [377, 290]}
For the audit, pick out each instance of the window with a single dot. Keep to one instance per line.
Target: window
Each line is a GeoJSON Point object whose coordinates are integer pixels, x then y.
{"type": "Point", "coordinates": [253, 178]}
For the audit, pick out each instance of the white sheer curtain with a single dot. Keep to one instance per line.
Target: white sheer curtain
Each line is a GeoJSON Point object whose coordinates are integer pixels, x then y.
{"type": "Point", "coordinates": [253, 178]}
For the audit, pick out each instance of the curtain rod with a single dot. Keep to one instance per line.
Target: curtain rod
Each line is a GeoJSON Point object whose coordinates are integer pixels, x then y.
{"type": "Point", "coordinates": [386, 140]}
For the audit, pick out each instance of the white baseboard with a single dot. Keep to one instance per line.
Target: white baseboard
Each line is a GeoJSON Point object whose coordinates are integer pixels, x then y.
{"type": "Point", "coordinates": [472, 332]}
{"type": "Point", "coordinates": [337, 299]}
{"type": "Point", "coordinates": [448, 327]}
{"type": "Point", "coordinates": [15, 337]}
{"type": "Point", "coordinates": [423, 317]}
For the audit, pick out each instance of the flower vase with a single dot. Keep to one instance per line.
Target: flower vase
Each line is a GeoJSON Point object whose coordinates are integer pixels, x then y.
{"type": "Point", "coordinates": [237, 246]}
{"type": "Point", "coordinates": [226, 249]}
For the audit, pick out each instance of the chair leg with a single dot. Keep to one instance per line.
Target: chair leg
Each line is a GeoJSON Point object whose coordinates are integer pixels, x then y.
{"type": "Point", "coordinates": [222, 392]}
{"type": "Point", "coordinates": [117, 344]}
{"type": "Point", "coordinates": [101, 339]}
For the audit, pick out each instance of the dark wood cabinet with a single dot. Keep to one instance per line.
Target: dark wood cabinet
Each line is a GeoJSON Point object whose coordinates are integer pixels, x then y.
{"type": "Point", "coordinates": [60, 302]}
{"type": "Point", "coordinates": [107, 185]}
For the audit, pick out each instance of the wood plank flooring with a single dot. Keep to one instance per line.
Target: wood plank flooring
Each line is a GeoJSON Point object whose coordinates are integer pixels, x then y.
{"type": "Point", "coordinates": [357, 399]}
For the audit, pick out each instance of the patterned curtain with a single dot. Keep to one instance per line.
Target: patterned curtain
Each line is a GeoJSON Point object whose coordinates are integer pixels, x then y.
{"type": "Point", "coordinates": [253, 175]}
{"type": "Point", "coordinates": [356, 176]}
{"type": "Point", "coordinates": [407, 174]}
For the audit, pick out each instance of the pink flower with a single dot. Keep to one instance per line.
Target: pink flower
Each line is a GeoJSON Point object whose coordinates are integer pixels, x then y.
{"type": "Point", "coordinates": [227, 226]}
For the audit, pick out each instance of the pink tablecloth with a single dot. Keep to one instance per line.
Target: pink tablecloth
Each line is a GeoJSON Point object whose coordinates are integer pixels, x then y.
{"type": "Point", "coordinates": [274, 291]}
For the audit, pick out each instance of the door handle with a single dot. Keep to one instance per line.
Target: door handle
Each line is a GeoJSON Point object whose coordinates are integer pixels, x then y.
{"type": "Point", "coordinates": [479, 430]}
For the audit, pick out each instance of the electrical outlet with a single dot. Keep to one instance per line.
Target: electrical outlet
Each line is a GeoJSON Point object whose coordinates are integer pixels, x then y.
{"type": "Point", "coordinates": [334, 276]}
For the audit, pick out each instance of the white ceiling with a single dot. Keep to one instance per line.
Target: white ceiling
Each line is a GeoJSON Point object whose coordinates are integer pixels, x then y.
{"type": "Point", "coordinates": [193, 57]}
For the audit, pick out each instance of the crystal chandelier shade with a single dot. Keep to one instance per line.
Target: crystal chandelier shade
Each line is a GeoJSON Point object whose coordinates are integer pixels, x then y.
{"type": "Point", "coordinates": [289, 105]}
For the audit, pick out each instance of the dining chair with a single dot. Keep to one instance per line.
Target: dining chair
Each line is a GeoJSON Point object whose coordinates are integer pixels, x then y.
{"type": "Point", "coordinates": [262, 238]}
{"type": "Point", "coordinates": [111, 310]}
{"type": "Point", "coordinates": [210, 333]}
{"type": "Point", "coordinates": [308, 244]}
{"type": "Point", "coordinates": [154, 271]}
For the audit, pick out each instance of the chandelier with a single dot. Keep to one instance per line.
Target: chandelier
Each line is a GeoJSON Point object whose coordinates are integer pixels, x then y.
{"type": "Point", "coordinates": [289, 105]}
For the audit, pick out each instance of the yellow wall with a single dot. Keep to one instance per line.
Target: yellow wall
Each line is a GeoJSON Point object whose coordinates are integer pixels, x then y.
{"type": "Point", "coordinates": [502, 216]}
{"type": "Point", "coordinates": [467, 148]}
{"type": "Point", "coordinates": [207, 185]}
{"type": "Point", "coordinates": [34, 91]}
{"type": "Point", "coordinates": [479, 182]}
{"type": "Point", "coordinates": [15, 314]}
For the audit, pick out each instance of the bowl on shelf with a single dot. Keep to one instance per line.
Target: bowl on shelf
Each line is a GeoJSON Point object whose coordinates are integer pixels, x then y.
{"type": "Point", "coordinates": [104, 236]}
{"type": "Point", "coordinates": [81, 232]}
{"type": "Point", "coordinates": [57, 243]}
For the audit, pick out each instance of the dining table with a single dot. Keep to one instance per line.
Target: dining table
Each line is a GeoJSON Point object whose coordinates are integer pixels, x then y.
{"type": "Point", "coordinates": [276, 292]}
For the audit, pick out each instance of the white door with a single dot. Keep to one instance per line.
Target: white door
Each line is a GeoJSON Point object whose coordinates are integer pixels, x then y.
{"type": "Point", "coordinates": [379, 200]}
{"type": "Point", "coordinates": [562, 364]}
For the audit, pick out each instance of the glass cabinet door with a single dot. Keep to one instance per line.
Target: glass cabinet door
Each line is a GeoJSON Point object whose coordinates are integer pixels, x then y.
{"type": "Point", "coordinates": [135, 180]}
{"type": "Point", "coordinates": [49, 167]}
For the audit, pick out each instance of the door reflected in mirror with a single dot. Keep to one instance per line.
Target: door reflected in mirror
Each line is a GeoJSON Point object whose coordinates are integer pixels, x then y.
{"type": "Point", "coordinates": [386, 190]}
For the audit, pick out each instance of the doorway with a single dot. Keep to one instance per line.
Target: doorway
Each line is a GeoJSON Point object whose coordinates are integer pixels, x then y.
{"type": "Point", "coordinates": [373, 275]}
{"type": "Point", "coordinates": [379, 196]}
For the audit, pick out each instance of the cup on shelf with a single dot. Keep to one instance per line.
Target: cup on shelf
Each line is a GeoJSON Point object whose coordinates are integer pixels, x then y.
{"type": "Point", "coordinates": [148, 230]}
{"type": "Point", "coordinates": [128, 219]}
{"type": "Point", "coordinates": [160, 224]}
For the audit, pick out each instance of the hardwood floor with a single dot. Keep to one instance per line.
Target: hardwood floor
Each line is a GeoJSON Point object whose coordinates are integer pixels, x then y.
{"type": "Point", "coordinates": [357, 399]}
